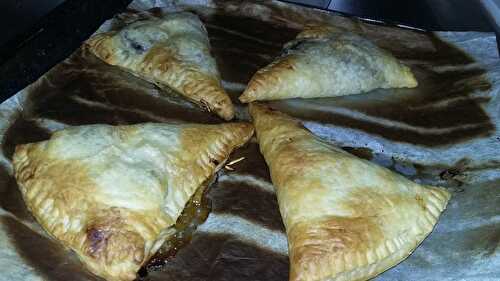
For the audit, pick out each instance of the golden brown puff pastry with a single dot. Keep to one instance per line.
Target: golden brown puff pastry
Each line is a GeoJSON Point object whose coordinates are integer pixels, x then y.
{"type": "Point", "coordinates": [172, 51]}
{"type": "Point", "coordinates": [345, 218]}
{"type": "Point", "coordinates": [325, 62]}
{"type": "Point", "coordinates": [113, 193]}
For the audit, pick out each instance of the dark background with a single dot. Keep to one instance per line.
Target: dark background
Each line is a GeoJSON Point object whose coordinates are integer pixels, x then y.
{"type": "Point", "coordinates": [38, 34]}
{"type": "Point", "coordinates": [443, 15]}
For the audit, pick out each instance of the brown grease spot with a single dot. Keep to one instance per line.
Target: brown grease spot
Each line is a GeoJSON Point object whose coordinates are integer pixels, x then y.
{"type": "Point", "coordinates": [361, 152]}
{"type": "Point", "coordinates": [441, 99]}
{"type": "Point", "coordinates": [456, 174]}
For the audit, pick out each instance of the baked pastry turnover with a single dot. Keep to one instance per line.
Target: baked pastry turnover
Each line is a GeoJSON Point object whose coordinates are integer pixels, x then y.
{"type": "Point", "coordinates": [345, 218]}
{"type": "Point", "coordinates": [113, 194]}
{"type": "Point", "coordinates": [172, 51]}
{"type": "Point", "coordinates": [326, 62]}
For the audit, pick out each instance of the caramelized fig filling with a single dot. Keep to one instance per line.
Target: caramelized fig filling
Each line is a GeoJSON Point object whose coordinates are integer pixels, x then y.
{"type": "Point", "coordinates": [194, 214]}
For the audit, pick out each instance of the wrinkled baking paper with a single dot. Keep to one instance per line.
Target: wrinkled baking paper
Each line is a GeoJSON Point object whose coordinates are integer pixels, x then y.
{"type": "Point", "coordinates": [444, 132]}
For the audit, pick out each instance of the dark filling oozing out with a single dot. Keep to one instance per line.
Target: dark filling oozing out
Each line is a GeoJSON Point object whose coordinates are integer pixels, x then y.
{"type": "Point", "coordinates": [194, 214]}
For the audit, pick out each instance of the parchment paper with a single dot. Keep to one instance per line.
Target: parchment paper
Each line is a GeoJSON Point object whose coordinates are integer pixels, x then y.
{"type": "Point", "coordinates": [444, 132]}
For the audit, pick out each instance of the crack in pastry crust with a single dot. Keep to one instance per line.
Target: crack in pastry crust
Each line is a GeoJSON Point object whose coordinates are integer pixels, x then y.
{"type": "Point", "coordinates": [194, 214]}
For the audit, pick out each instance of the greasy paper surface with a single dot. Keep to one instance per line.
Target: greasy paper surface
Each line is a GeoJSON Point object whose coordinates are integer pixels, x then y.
{"type": "Point", "coordinates": [444, 132]}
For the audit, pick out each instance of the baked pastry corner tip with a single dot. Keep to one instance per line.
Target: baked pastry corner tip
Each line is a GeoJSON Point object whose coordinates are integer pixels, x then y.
{"type": "Point", "coordinates": [265, 114]}
{"type": "Point", "coordinates": [257, 108]}
{"type": "Point", "coordinates": [259, 111]}
{"type": "Point", "coordinates": [243, 130]}
{"type": "Point", "coordinates": [406, 78]}
{"type": "Point", "coordinates": [98, 45]}
{"type": "Point", "coordinates": [248, 95]}
{"type": "Point", "coordinates": [226, 112]}
{"type": "Point", "coordinates": [411, 80]}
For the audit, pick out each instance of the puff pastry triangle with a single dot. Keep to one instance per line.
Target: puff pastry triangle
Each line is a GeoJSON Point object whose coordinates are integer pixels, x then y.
{"type": "Point", "coordinates": [112, 194]}
{"type": "Point", "coordinates": [325, 62]}
{"type": "Point", "coordinates": [172, 51]}
{"type": "Point", "coordinates": [345, 218]}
